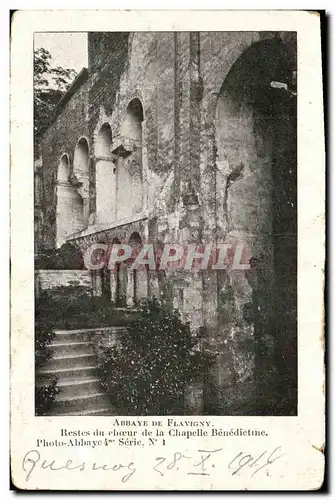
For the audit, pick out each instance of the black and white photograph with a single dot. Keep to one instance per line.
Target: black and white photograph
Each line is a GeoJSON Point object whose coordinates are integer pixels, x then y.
{"type": "Point", "coordinates": [165, 222]}
{"type": "Point", "coordinates": [167, 251]}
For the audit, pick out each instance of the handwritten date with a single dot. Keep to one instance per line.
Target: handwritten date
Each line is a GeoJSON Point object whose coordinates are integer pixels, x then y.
{"type": "Point", "coordinates": [256, 464]}
{"type": "Point", "coordinates": [201, 463]}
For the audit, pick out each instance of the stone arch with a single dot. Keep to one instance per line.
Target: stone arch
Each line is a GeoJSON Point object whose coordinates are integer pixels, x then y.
{"type": "Point", "coordinates": [63, 171]}
{"type": "Point", "coordinates": [130, 163]}
{"type": "Point", "coordinates": [80, 176]}
{"type": "Point", "coordinates": [255, 132]}
{"type": "Point", "coordinates": [139, 95]}
{"type": "Point", "coordinates": [226, 63]}
{"type": "Point", "coordinates": [132, 123]}
{"type": "Point", "coordinates": [105, 176]}
{"type": "Point", "coordinates": [134, 99]}
{"type": "Point", "coordinates": [81, 157]}
{"type": "Point", "coordinates": [103, 140]}
{"type": "Point", "coordinates": [69, 212]}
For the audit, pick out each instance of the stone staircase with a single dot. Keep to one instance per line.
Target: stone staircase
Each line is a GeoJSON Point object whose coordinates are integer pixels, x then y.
{"type": "Point", "coordinates": [74, 363]}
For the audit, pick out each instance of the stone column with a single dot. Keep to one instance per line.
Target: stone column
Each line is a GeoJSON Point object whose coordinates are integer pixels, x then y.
{"type": "Point", "coordinates": [98, 284]}
{"type": "Point", "coordinates": [113, 285]}
{"type": "Point", "coordinates": [122, 284]}
{"type": "Point", "coordinates": [141, 284]}
{"type": "Point", "coordinates": [130, 288]}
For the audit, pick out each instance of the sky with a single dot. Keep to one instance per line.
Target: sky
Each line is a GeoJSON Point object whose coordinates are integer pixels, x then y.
{"type": "Point", "coordinates": [68, 50]}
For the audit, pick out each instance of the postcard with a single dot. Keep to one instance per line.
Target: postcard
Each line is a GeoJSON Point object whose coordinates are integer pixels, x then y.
{"type": "Point", "coordinates": [167, 250]}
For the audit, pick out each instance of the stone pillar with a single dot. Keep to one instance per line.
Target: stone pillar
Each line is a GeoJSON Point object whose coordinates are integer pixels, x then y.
{"type": "Point", "coordinates": [86, 211]}
{"type": "Point", "coordinates": [141, 284]}
{"type": "Point", "coordinates": [130, 288]}
{"type": "Point", "coordinates": [145, 171]}
{"type": "Point", "coordinates": [98, 284]}
{"type": "Point", "coordinates": [113, 285]}
{"type": "Point", "coordinates": [122, 285]}
{"type": "Point", "coordinates": [154, 290]}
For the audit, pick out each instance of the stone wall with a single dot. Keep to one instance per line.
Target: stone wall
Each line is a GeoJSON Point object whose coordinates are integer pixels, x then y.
{"type": "Point", "coordinates": [239, 143]}
{"type": "Point", "coordinates": [61, 138]}
{"type": "Point", "coordinates": [212, 150]}
{"type": "Point", "coordinates": [51, 279]}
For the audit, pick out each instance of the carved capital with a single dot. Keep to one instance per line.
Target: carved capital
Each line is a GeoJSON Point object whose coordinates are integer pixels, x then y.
{"type": "Point", "coordinates": [73, 179]}
{"type": "Point", "coordinates": [124, 146]}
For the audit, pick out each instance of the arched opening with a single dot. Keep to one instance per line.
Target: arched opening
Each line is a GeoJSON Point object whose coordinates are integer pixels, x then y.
{"type": "Point", "coordinates": [81, 161]}
{"type": "Point", "coordinates": [63, 169]}
{"type": "Point", "coordinates": [104, 141]}
{"type": "Point", "coordinates": [129, 169]}
{"type": "Point", "coordinates": [81, 176]}
{"type": "Point", "coordinates": [132, 124]}
{"type": "Point", "coordinates": [256, 138]}
{"type": "Point", "coordinates": [105, 177]}
{"type": "Point", "coordinates": [69, 212]}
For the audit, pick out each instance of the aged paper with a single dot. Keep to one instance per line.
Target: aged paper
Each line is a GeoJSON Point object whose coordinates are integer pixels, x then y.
{"type": "Point", "coordinates": [167, 246]}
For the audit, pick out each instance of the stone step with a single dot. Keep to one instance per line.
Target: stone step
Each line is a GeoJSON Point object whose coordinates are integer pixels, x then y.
{"type": "Point", "coordinates": [68, 348]}
{"type": "Point", "coordinates": [85, 335]}
{"type": "Point", "coordinates": [71, 361]}
{"type": "Point", "coordinates": [62, 405]}
{"type": "Point", "coordinates": [79, 387]}
{"type": "Point", "coordinates": [103, 412]}
{"type": "Point", "coordinates": [109, 410]}
{"type": "Point", "coordinates": [47, 375]}
{"type": "Point", "coordinates": [75, 366]}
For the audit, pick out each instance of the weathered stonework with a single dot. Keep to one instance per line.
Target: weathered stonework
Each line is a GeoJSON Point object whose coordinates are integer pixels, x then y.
{"type": "Point", "coordinates": [187, 142]}
{"type": "Point", "coordinates": [51, 279]}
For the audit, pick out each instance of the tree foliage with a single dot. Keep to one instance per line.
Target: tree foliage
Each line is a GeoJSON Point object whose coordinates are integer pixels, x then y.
{"type": "Point", "coordinates": [65, 257]}
{"type": "Point", "coordinates": [147, 372]}
{"type": "Point", "coordinates": [44, 397]}
{"type": "Point", "coordinates": [70, 308]}
{"type": "Point", "coordinates": [44, 335]}
{"type": "Point", "coordinates": [50, 84]}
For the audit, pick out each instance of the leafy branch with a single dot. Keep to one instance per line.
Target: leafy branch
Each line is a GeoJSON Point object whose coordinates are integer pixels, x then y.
{"type": "Point", "coordinates": [50, 84]}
